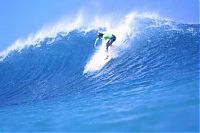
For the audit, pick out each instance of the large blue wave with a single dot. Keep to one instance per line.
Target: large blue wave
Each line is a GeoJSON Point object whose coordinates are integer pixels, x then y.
{"type": "Point", "coordinates": [154, 79]}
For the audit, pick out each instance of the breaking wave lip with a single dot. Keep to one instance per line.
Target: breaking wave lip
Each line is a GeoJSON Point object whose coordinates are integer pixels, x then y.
{"type": "Point", "coordinates": [124, 28]}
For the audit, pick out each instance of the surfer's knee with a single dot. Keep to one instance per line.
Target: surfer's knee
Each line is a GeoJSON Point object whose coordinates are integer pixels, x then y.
{"type": "Point", "coordinates": [113, 38]}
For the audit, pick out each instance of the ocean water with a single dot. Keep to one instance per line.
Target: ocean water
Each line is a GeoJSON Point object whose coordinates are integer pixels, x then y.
{"type": "Point", "coordinates": [149, 83]}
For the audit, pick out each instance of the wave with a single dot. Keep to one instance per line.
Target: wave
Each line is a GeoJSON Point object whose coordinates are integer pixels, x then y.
{"type": "Point", "coordinates": [152, 57]}
{"type": "Point", "coordinates": [63, 27]}
{"type": "Point", "coordinates": [144, 45]}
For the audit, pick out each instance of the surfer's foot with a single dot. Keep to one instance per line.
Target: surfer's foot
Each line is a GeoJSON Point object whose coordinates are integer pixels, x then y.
{"type": "Point", "coordinates": [106, 57]}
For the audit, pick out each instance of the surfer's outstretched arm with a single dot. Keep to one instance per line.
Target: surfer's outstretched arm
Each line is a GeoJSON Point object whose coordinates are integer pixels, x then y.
{"type": "Point", "coordinates": [95, 43]}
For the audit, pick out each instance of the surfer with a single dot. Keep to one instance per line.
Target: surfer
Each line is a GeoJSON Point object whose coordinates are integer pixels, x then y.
{"type": "Point", "coordinates": [110, 38]}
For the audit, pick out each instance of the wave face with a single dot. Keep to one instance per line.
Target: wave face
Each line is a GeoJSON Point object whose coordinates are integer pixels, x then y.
{"type": "Point", "coordinates": [150, 83]}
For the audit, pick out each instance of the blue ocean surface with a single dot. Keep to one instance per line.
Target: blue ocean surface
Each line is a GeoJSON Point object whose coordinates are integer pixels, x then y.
{"type": "Point", "coordinates": [150, 84]}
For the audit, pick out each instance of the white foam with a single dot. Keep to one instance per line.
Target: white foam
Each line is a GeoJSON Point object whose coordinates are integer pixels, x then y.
{"type": "Point", "coordinates": [121, 28]}
{"type": "Point", "coordinates": [97, 61]}
{"type": "Point", "coordinates": [122, 31]}
{"type": "Point", "coordinates": [49, 31]}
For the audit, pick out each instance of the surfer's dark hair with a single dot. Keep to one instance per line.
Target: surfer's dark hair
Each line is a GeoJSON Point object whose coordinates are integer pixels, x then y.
{"type": "Point", "coordinates": [99, 34]}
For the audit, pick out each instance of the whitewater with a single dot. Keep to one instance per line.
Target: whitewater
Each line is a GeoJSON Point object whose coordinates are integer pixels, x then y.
{"type": "Point", "coordinates": [54, 80]}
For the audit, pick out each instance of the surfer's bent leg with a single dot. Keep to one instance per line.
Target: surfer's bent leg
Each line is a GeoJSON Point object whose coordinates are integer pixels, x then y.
{"type": "Point", "coordinates": [109, 43]}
